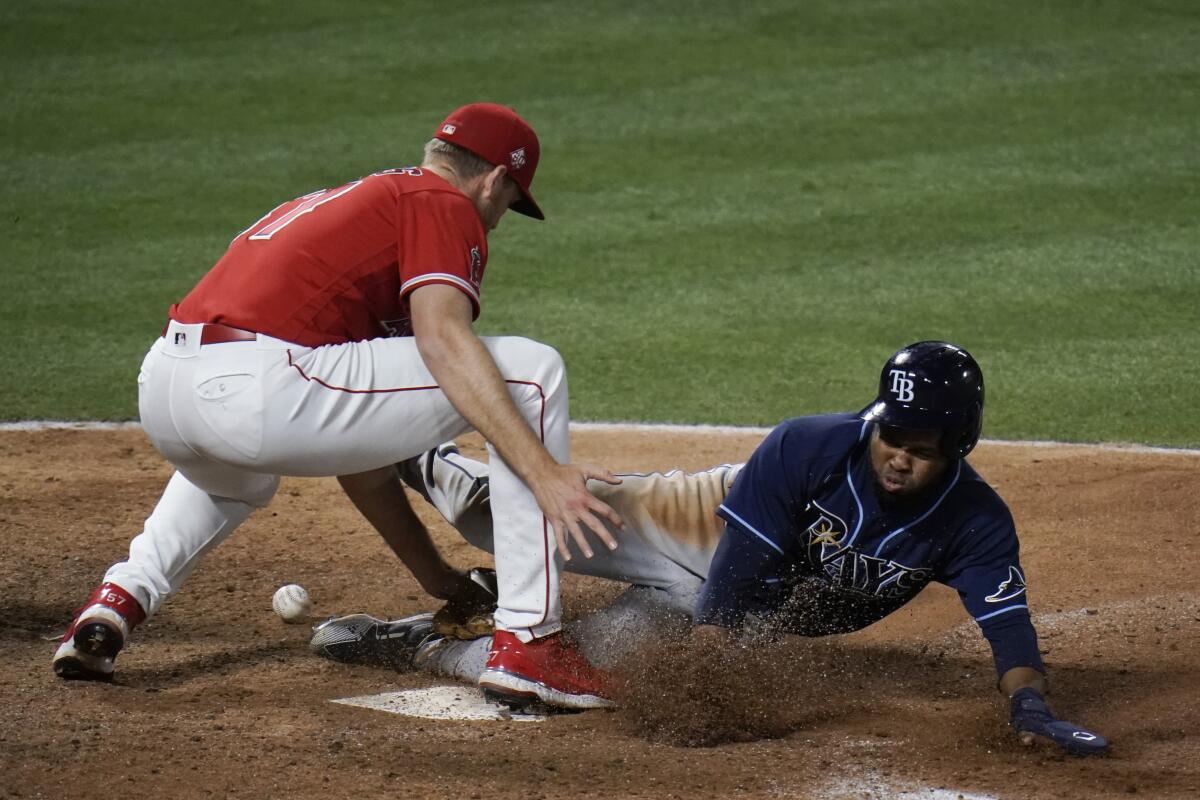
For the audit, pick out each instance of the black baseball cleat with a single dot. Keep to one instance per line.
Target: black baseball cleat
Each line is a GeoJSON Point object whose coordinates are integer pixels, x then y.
{"type": "Point", "coordinates": [363, 639]}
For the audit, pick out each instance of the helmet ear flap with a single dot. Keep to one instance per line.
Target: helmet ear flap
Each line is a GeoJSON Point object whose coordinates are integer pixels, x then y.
{"type": "Point", "coordinates": [958, 441]}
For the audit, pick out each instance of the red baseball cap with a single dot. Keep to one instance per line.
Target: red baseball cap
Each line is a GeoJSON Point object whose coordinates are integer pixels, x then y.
{"type": "Point", "coordinates": [497, 135]}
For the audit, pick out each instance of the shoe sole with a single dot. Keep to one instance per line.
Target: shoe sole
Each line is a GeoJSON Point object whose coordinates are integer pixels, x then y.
{"type": "Point", "coordinates": [520, 693]}
{"type": "Point", "coordinates": [365, 640]}
{"type": "Point", "coordinates": [342, 638]}
{"type": "Point", "coordinates": [531, 706]}
{"type": "Point", "coordinates": [73, 668]}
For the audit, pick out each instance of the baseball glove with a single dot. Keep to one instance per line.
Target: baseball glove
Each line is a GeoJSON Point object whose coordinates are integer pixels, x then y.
{"type": "Point", "coordinates": [468, 613]}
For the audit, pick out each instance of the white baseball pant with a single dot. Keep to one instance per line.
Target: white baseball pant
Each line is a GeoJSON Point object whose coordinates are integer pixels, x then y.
{"type": "Point", "coordinates": [233, 417]}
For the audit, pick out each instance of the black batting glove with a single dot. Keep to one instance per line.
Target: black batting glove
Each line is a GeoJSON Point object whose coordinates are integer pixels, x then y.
{"type": "Point", "coordinates": [1029, 714]}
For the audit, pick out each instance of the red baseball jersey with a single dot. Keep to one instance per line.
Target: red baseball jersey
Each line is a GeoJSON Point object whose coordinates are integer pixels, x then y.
{"type": "Point", "coordinates": [337, 265]}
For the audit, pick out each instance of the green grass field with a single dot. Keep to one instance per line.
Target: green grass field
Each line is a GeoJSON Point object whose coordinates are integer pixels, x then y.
{"type": "Point", "coordinates": [750, 205]}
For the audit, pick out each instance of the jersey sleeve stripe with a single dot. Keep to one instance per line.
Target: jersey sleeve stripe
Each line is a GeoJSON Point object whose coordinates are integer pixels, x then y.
{"type": "Point", "coordinates": [749, 527]}
{"type": "Point", "coordinates": [857, 503]}
{"type": "Point", "coordinates": [1002, 611]}
{"type": "Point", "coordinates": [440, 277]}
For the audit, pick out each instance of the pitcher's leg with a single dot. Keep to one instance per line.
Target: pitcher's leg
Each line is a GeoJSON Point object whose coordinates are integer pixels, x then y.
{"type": "Point", "coordinates": [186, 524]}
{"type": "Point", "coordinates": [368, 404]}
{"type": "Point", "coordinates": [194, 512]}
{"type": "Point", "coordinates": [527, 563]}
{"type": "Point", "coordinates": [352, 408]}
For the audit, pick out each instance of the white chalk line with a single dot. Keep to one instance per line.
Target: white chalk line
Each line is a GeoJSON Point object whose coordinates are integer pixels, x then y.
{"type": "Point", "coordinates": [879, 787]}
{"type": "Point", "coordinates": [54, 425]}
{"type": "Point", "coordinates": [662, 428]}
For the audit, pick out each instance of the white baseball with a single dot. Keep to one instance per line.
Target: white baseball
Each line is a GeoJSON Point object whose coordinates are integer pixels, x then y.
{"type": "Point", "coordinates": [292, 603]}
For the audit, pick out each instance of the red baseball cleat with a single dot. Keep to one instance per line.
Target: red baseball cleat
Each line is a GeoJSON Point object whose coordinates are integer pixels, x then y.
{"type": "Point", "coordinates": [548, 670]}
{"type": "Point", "coordinates": [96, 634]}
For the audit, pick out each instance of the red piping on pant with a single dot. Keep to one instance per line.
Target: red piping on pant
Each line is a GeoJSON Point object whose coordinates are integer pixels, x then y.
{"type": "Point", "coordinates": [546, 550]}
{"type": "Point", "coordinates": [320, 382]}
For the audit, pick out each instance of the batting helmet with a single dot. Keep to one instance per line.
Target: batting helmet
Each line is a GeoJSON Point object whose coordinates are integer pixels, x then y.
{"type": "Point", "coordinates": [932, 386]}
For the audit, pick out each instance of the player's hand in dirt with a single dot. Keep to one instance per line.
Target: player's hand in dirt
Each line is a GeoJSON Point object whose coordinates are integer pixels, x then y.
{"type": "Point", "coordinates": [569, 507]}
{"type": "Point", "coordinates": [1031, 719]}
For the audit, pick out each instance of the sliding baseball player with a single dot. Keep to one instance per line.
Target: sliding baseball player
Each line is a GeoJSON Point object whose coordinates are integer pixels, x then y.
{"type": "Point", "coordinates": [835, 522]}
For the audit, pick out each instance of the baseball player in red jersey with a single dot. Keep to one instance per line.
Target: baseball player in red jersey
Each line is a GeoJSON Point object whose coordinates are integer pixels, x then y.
{"type": "Point", "coordinates": [334, 338]}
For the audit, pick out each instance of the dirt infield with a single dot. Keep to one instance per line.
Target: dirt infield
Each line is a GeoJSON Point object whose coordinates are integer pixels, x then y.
{"type": "Point", "coordinates": [216, 697]}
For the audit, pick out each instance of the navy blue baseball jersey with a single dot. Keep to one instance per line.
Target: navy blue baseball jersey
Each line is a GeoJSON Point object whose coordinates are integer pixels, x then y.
{"type": "Point", "coordinates": [809, 547]}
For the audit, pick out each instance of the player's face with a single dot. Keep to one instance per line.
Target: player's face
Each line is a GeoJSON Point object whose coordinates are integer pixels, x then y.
{"type": "Point", "coordinates": [906, 462]}
{"type": "Point", "coordinates": [496, 195]}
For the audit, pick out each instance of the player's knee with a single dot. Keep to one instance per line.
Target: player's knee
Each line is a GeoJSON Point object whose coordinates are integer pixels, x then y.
{"type": "Point", "coordinates": [542, 354]}
{"type": "Point", "coordinates": [538, 360]}
{"type": "Point", "coordinates": [262, 490]}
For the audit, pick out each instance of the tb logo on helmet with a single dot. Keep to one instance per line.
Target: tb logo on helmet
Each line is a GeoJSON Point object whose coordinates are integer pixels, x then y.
{"type": "Point", "coordinates": [902, 385]}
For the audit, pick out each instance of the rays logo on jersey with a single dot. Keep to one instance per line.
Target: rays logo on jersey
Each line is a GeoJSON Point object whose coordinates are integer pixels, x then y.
{"type": "Point", "coordinates": [847, 569]}
{"type": "Point", "coordinates": [827, 531]}
{"type": "Point", "coordinates": [1010, 587]}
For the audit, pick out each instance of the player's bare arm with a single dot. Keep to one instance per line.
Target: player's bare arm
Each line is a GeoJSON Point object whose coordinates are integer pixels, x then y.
{"type": "Point", "coordinates": [467, 374]}
{"type": "Point", "coordinates": [379, 496]}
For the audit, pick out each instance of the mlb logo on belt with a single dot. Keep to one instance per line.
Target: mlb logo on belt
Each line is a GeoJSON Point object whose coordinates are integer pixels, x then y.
{"type": "Point", "coordinates": [517, 158]}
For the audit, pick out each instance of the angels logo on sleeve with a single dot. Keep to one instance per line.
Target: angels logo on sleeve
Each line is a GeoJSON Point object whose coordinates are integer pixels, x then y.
{"type": "Point", "coordinates": [476, 266]}
{"type": "Point", "coordinates": [1010, 587]}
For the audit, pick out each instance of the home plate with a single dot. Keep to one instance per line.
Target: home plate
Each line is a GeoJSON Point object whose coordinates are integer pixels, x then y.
{"type": "Point", "coordinates": [439, 702]}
